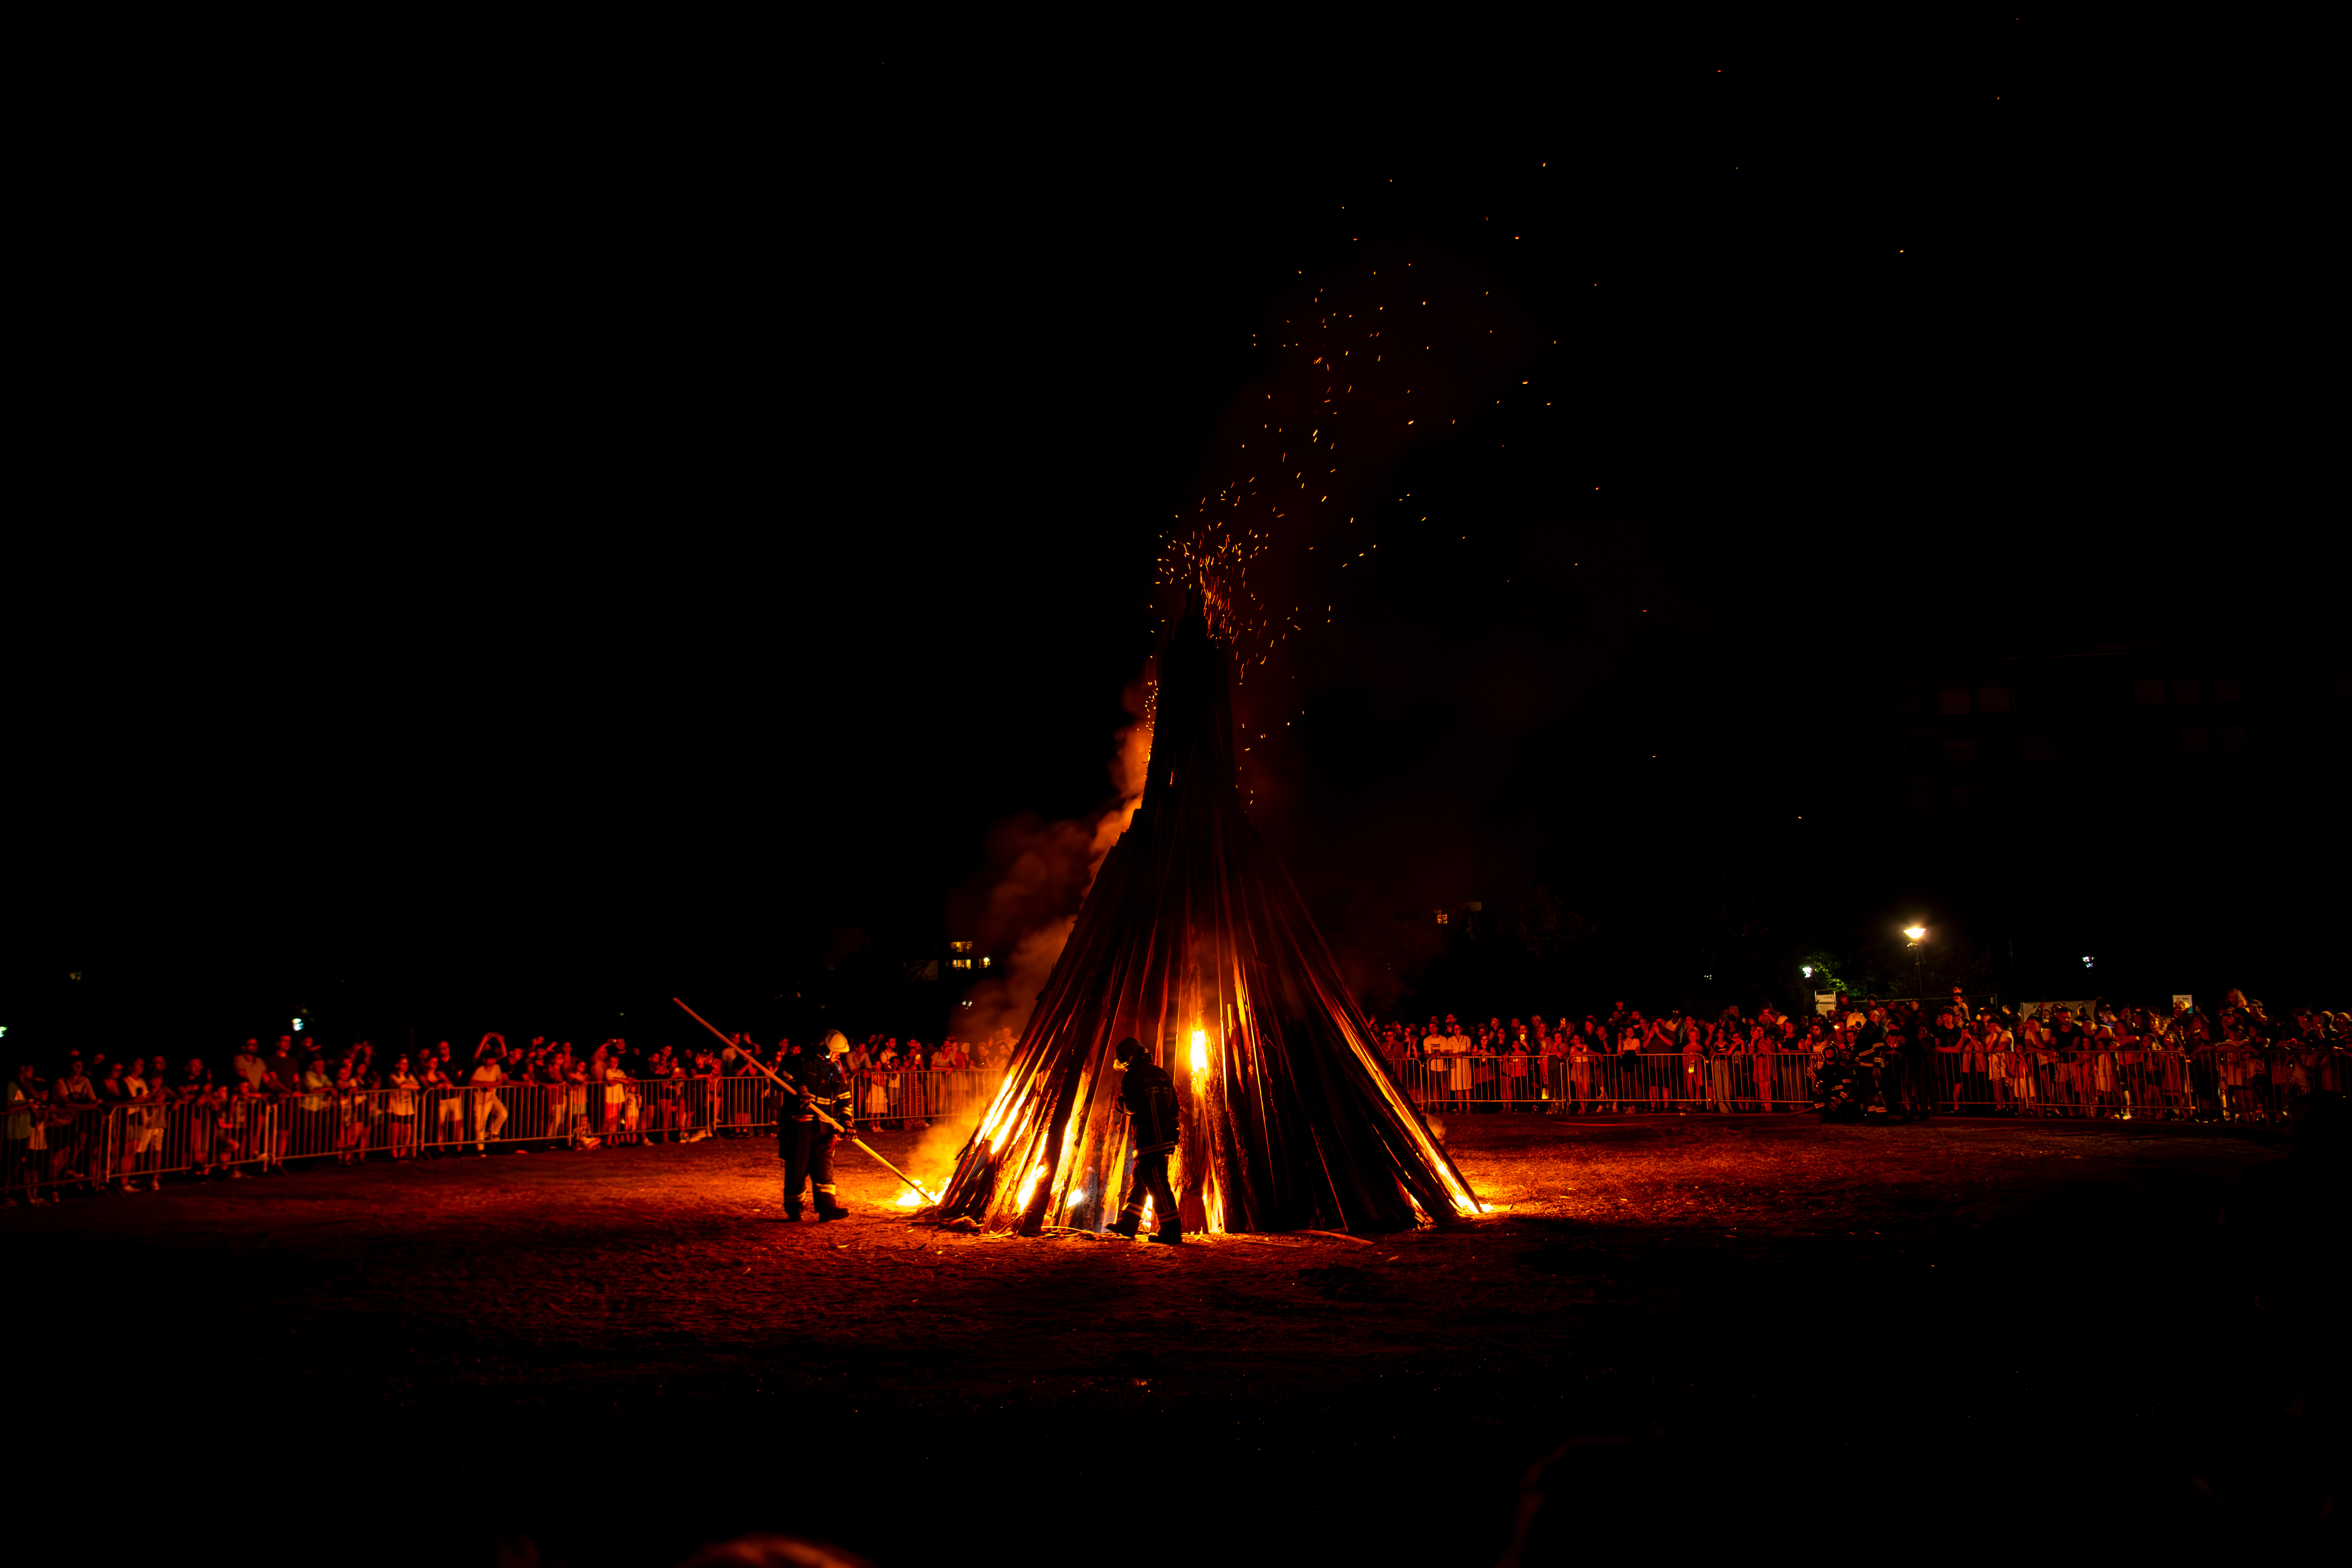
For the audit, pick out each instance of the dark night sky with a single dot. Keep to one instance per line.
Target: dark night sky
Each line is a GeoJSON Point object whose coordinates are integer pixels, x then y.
{"type": "Point", "coordinates": [605, 564]}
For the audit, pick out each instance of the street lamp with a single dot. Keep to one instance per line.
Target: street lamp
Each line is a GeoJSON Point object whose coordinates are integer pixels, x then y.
{"type": "Point", "coordinates": [1917, 935]}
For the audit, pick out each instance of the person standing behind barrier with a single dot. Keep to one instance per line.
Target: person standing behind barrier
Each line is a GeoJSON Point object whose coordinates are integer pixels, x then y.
{"type": "Point", "coordinates": [1625, 1069]}
{"type": "Point", "coordinates": [616, 1102]}
{"type": "Point", "coordinates": [919, 1104]}
{"type": "Point", "coordinates": [1765, 1047]}
{"type": "Point", "coordinates": [128, 1084]}
{"type": "Point", "coordinates": [1579, 1074]}
{"type": "Point", "coordinates": [28, 1136]}
{"type": "Point", "coordinates": [441, 1101]}
{"type": "Point", "coordinates": [2034, 1050]}
{"type": "Point", "coordinates": [699, 1094]}
{"type": "Point", "coordinates": [1554, 1047]}
{"type": "Point", "coordinates": [743, 1098]}
{"type": "Point", "coordinates": [1962, 1048]}
{"type": "Point", "coordinates": [314, 1121]}
{"type": "Point", "coordinates": [598, 1071]}
{"type": "Point", "coordinates": [2063, 1049]}
{"type": "Point", "coordinates": [546, 1072]}
{"type": "Point", "coordinates": [2000, 1059]}
{"type": "Point", "coordinates": [197, 1113]}
{"type": "Point", "coordinates": [1718, 1044]}
{"type": "Point", "coordinates": [489, 1106]}
{"type": "Point", "coordinates": [403, 1107]}
{"type": "Point", "coordinates": [658, 1093]}
{"type": "Point", "coordinates": [578, 1088]}
{"type": "Point", "coordinates": [806, 1144]}
{"type": "Point", "coordinates": [1692, 1035]}
{"type": "Point", "coordinates": [351, 1116]}
{"type": "Point", "coordinates": [885, 1077]}
{"type": "Point", "coordinates": [161, 1120]}
{"type": "Point", "coordinates": [284, 1085]}
{"type": "Point", "coordinates": [1433, 1048]}
{"type": "Point", "coordinates": [244, 1129]}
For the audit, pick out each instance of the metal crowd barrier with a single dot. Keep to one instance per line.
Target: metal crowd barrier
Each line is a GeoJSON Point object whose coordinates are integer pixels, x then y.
{"type": "Point", "coordinates": [2120, 1085]}
{"type": "Point", "coordinates": [47, 1147]}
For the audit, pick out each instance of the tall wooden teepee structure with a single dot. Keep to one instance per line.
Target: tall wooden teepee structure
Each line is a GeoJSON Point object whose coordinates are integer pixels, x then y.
{"type": "Point", "coordinates": [1193, 940]}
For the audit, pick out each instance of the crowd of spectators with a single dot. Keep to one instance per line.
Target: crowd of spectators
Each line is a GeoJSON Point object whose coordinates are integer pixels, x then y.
{"type": "Point", "coordinates": [1907, 1057]}
{"type": "Point", "coordinates": [122, 1122]}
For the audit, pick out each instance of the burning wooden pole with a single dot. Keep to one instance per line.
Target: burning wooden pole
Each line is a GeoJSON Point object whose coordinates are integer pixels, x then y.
{"type": "Point", "coordinates": [1193, 939]}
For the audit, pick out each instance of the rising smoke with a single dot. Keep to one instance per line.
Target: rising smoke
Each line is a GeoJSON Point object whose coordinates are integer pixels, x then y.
{"type": "Point", "coordinates": [1020, 910]}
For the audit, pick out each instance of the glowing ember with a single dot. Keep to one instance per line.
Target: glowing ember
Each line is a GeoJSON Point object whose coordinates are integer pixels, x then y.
{"type": "Point", "coordinates": [1200, 1050]}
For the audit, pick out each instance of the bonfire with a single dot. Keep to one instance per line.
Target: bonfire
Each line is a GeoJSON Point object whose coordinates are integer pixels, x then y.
{"type": "Point", "coordinates": [1193, 940]}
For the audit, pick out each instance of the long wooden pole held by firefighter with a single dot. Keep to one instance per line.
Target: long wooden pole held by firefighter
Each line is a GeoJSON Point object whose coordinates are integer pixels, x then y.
{"type": "Point", "coordinates": [786, 1084]}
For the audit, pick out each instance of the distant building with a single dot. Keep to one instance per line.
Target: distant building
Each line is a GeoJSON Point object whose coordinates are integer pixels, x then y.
{"type": "Point", "coordinates": [1467, 924]}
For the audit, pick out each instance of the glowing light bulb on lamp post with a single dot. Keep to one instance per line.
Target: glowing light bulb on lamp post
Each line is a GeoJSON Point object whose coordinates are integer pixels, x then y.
{"type": "Point", "coordinates": [1918, 935]}
{"type": "Point", "coordinates": [1200, 1050]}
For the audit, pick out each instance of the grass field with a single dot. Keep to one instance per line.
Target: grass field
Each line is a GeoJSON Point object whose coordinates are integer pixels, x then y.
{"type": "Point", "coordinates": [1733, 1324]}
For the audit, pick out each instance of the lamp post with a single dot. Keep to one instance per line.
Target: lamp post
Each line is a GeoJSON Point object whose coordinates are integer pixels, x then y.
{"type": "Point", "coordinates": [1917, 935]}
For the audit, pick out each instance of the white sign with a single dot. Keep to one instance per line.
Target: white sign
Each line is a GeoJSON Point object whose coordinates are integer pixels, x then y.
{"type": "Point", "coordinates": [1825, 1003]}
{"type": "Point", "coordinates": [2181, 1004]}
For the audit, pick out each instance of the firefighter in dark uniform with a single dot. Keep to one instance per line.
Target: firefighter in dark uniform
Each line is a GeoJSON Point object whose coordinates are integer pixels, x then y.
{"type": "Point", "coordinates": [1915, 1049]}
{"type": "Point", "coordinates": [1869, 1057]}
{"type": "Point", "coordinates": [1149, 1097]}
{"type": "Point", "coordinates": [805, 1144]}
{"type": "Point", "coordinates": [1834, 1086]}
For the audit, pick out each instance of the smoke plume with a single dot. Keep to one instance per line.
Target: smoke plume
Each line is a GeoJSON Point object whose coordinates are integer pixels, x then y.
{"type": "Point", "coordinates": [1020, 910]}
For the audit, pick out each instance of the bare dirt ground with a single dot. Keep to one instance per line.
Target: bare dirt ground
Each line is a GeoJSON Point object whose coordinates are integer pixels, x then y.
{"type": "Point", "coordinates": [622, 1354]}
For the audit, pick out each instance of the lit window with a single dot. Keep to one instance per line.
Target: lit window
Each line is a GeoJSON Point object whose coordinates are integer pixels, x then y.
{"type": "Point", "coordinates": [2149, 693]}
{"type": "Point", "coordinates": [1441, 916]}
{"type": "Point", "coordinates": [2225, 690]}
{"type": "Point", "coordinates": [2232, 737]}
{"type": "Point", "coordinates": [1952, 699]}
{"type": "Point", "coordinates": [2188, 691]}
{"type": "Point", "coordinates": [2196, 738]}
{"type": "Point", "coordinates": [1992, 698]}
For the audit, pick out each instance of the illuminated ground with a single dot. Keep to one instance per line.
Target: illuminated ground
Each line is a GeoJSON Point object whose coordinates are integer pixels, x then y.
{"type": "Point", "coordinates": [645, 1356]}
